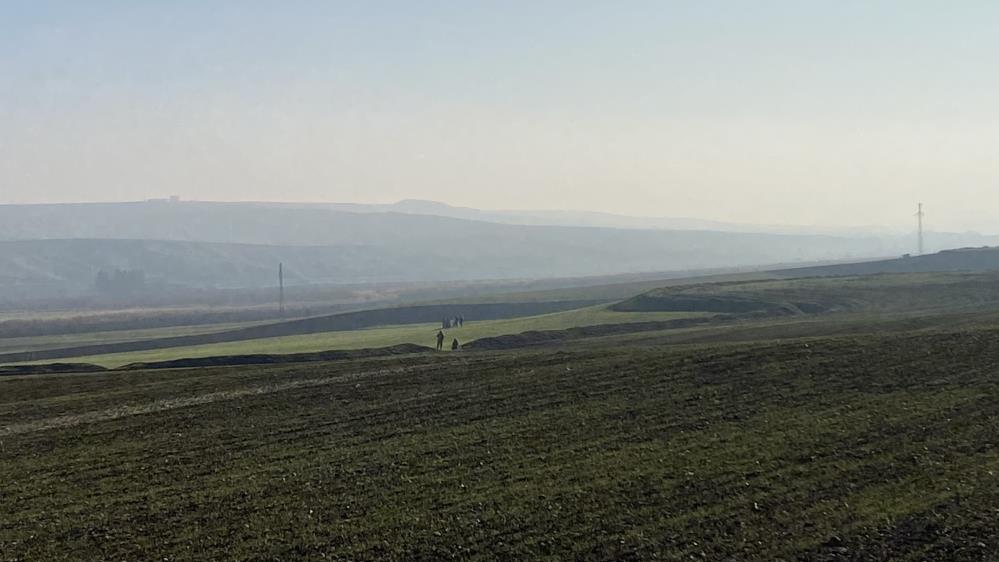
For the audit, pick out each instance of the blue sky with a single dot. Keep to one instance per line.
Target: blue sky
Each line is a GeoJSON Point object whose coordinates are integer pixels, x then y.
{"type": "Point", "coordinates": [800, 112]}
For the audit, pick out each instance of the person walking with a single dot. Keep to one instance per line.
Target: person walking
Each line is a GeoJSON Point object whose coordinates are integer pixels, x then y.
{"type": "Point", "coordinates": [440, 340]}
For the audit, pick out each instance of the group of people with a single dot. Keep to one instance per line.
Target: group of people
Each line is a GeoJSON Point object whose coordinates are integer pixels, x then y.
{"type": "Point", "coordinates": [446, 324]}
{"type": "Point", "coordinates": [455, 346]}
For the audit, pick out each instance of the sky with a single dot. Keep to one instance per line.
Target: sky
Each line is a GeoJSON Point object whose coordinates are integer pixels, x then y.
{"type": "Point", "coordinates": [796, 112]}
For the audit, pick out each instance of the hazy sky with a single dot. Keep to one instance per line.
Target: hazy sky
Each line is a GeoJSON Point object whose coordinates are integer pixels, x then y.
{"type": "Point", "coordinates": [794, 112]}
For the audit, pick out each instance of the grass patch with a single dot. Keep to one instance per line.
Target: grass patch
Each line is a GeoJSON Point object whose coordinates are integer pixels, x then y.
{"type": "Point", "coordinates": [421, 334]}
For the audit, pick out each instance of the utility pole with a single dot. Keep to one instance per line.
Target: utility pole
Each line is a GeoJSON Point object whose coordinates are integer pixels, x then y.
{"type": "Point", "coordinates": [281, 288]}
{"type": "Point", "coordinates": [919, 219]}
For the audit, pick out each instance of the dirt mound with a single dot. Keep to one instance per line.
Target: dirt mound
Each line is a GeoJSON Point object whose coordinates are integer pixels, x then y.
{"type": "Point", "coordinates": [268, 359]}
{"type": "Point", "coordinates": [532, 338]}
{"type": "Point", "coordinates": [11, 370]}
{"type": "Point", "coordinates": [722, 304]}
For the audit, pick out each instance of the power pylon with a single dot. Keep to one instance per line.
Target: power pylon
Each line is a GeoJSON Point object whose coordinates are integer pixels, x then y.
{"type": "Point", "coordinates": [281, 288]}
{"type": "Point", "coordinates": [919, 219]}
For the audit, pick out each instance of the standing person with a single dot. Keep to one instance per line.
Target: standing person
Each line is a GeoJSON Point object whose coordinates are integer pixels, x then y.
{"type": "Point", "coordinates": [455, 346]}
{"type": "Point", "coordinates": [440, 340]}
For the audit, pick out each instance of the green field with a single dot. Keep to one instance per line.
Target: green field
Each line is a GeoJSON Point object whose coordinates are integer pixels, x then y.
{"type": "Point", "coordinates": [421, 334]}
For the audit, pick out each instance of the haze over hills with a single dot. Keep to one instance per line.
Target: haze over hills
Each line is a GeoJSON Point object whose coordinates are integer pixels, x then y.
{"type": "Point", "coordinates": [158, 219]}
{"type": "Point", "coordinates": [591, 218]}
{"type": "Point", "coordinates": [542, 217]}
{"type": "Point", "coordinates": [58, 250]}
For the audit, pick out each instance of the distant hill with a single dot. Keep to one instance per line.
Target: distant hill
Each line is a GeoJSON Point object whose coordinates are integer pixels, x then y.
{"type": "Point", "coordinates": [58, 250]}
{"type": "Point", "coordinates": [350, 223]}
{"type": "Point", "coordinates": [62, 268]}
{"type": "Point", "coordinates": [610, 220]}
{"type": "Point", "coordinates": [544, 217]}
{"type": "Point", "coordinates": [300, 224]}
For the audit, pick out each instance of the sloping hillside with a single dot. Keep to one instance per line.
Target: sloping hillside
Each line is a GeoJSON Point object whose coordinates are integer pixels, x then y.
{"type": "Point", "coordinates": [874, 293]}
{"type": "Point", "coordinates": [963, 259]}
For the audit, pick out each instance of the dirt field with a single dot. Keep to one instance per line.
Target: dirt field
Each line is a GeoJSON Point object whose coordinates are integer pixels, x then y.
{"type": "Point", "coordinates": [839, 448]}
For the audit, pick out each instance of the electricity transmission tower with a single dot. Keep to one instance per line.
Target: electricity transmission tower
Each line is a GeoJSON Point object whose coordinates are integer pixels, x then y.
{"type": "Point", "coordinates": [281, 288]}
{"type": "Point", "coordinates": [919, 219]}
